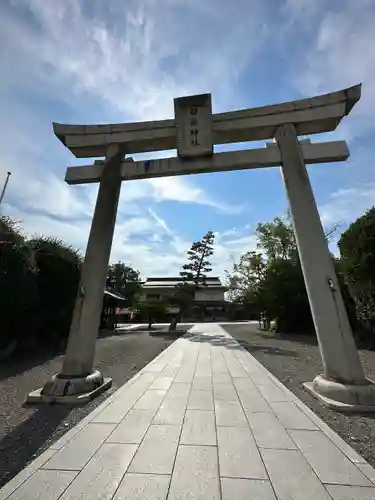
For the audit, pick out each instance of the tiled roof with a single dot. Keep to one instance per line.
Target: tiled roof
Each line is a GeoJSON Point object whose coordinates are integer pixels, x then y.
{"type": "Point", "coordinates": [171, 282]}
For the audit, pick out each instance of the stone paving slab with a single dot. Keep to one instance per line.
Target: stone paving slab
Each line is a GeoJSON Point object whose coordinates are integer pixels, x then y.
{"type": "Point", "coordinates": [204, 420]}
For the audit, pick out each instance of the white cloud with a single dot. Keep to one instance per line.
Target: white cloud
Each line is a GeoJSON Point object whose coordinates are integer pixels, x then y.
{"type": "Point", "coordinates": [160, 221]}
{"type": "Point", "coordinates": [347, 204]}
{"type": "Point", "coordinates": [134, 55]}
{"type": "Point", "coordinates": [340, 55]}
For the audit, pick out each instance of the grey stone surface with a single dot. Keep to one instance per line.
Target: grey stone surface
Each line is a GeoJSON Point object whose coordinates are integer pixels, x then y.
{"type": "Point", "coordinates": [271, 392]}
{"type": "Point", "coordinates": [225, 392]}
{"type": "Point", "coordinates": [14, 483]}
{"type": "Point", "coordinates": [146, 377]}
{"type": "Point", "coordinates": [179, 390]}
{"type": "Point", "coordinates": [143, 487]}
{"type": "Point", "coordinates": [251, 399]}
{"type": "Point", "coordinates": [195, 474]}
{"type": "Point", "coordinates": [339, 492]}
{"type": "Point", "coordinates": [170, 371]}
{"type": "Point", "coordinates": [229, 413]}
{"type": "Point", "coordinates": [292, 477]}
{"type": "Point", "coordinates": [238, 454]}
{"type": "Point", "coordinates": [329, 463]}
{"type": "Point", "coordinates": [199, 428]}
{"type": "Point", "coordinates": [157, 451]}
{"type": "Point", "coordinates": [335, 438]}
{"type": "Point", "coordinates": [268, 431]}
{"type": "Point", "coordinates": [202, 384]}
{"type": "Point", "coordinates": [218, 365]}
{"type": "Point", "coordinates": [246, 489]}
{"type": "Point", "coordinates": [185, 375]}
{"type": "Point", "coordinates": [368, 471]}
{"type": "Point", "coordinates": [133, 427]}
{"type": "Point", "coordinates": [78, 452]}
{"type": "Point", "coordinates": [291, 416]}
{"type": "Point", "coordinates": [203, 369]}
{"type": "Point", "coordinates": [171, 412]}
{"type": "Point", "coordinates": [200, 400]}
{"type": "Point", "coordinates": [235, 368]}
{"type": "Point", "coordinates": [44, 485]}
{"type": "Point", "coordinates": [153, 411]}
{"type": "Point", "coordinates": [119, 407]}
{"type": "Point", "coordinates": [151, 400]}
{"type": "Point", "coordinates": [102, 475]}
{"type": "Point", "coordinates": [221, 378]}
{"type": "Point", "coordinates": [162, 383]}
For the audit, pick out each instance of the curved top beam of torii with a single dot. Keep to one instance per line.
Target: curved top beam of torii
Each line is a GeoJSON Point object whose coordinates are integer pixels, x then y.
{"type": "Point", "coordinates": [310, 116]}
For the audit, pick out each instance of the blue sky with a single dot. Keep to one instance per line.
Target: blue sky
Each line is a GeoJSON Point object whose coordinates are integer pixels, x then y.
{"type": "Point", "coordinates": [90, 61]}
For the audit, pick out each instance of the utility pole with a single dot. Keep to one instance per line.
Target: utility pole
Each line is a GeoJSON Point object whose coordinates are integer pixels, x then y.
{"type": "Point", "coordinates": [5, 186]}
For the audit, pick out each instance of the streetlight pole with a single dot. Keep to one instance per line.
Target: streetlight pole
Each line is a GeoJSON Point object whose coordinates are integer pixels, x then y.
{"type": "Point", "coordinates": [5, 186]}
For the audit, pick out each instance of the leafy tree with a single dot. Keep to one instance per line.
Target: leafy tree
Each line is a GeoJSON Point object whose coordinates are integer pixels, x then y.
{"type": "Point", "coordinates": [11, 231]}
{"type": "Point", "coordinates": [273, 282]}
{"type": "Point", "coordinates": [277, 239]}
{"type": "Point", "coordinates": [357, 248]}
{"type": "Point", "coordinates": [152, 310]}
{"type": "Point", "coordinates": [246, 275]}
{"type": "Point", "coordinates": [283, 295]}
{"type": "Point", "coordinates": [124, 280]}
{"type": "Point", "coordinates": [193, 274]}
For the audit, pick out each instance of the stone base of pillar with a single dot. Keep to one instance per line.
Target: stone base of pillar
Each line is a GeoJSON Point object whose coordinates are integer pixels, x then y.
{"type": "Point", "coordinates": [70, 390]}
{"type": "Point", "coordinates": [343, 397]}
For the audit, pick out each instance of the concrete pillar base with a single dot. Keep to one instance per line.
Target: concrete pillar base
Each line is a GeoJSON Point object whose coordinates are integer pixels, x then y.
{"type": "Point", "coordinates": [344, 397]}
{"type": "Point", "coordinates": [71, 390]}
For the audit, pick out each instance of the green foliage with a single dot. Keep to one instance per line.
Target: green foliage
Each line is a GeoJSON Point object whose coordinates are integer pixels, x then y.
{"type": "Point", "coordinates": [357, 248]}
{"type": "Point", "coordinates": [11, 231]}
{"type": "Point", "coordinates": [152, 310]}
{"type": "Point", "coordinates": [277, 239]}
{"type": "Point", "coordinates": [18, 290]}
{"type": "Point", "coordinates": [57, 281]}
{"type": "Point", "coordinates": [284, 296]}
{"type": "Point", "coordinates": [244, 280]}
{"type": "Point", "coordinates": [273, 282]}
{"type": "Point", "coordinates": [124, 280]}
{"type": "Point", "coordinates": [198, 264]}
{"type": "Point", "coordinates": [38, 284]}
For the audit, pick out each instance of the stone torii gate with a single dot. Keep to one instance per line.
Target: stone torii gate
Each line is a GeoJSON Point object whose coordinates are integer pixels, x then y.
{"type": "Point", "coordinates": [193, 133]}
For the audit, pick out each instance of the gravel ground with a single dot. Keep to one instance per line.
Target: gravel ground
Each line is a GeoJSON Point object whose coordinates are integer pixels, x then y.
{"type": "Point", "coordinates": [25, 432]}
{"type": "Point", "coordinates": [294, 359]}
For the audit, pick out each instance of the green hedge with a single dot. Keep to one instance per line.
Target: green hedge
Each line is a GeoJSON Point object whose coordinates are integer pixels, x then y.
{"type": "Point", "coordinates": [38, 284]}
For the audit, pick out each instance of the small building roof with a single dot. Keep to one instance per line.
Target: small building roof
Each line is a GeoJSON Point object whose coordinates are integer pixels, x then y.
{"type": "Point", "coordinates": [170, 282]}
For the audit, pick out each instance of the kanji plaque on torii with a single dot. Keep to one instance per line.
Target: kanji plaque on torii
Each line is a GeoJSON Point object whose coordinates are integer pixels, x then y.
{"type": "Point", "coordinates": [193, 117]}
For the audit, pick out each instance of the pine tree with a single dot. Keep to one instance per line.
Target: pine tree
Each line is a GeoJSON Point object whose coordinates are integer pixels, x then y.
{"type": "Point", "coordinates": [193, 274]}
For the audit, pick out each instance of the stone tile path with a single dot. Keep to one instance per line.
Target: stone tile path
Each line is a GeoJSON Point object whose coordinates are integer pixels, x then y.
{"type": "Point", "coordinates": [204, 421]}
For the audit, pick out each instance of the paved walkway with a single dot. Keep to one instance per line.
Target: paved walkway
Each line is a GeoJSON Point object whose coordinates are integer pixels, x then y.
{"type": "Point", "coordinates": [203, 421]}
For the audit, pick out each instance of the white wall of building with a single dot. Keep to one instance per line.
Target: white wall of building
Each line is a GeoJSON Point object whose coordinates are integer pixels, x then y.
{"type": "Point", "coordinates": [209, 295]}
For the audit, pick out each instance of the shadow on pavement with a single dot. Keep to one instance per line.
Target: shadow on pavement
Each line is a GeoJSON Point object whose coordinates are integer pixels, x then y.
{"type": "Point", "coordinates": [166, 335]}
{"type": "Point", "coordinates": [18, 447]}
{"type": "Point", "coordinates": [229, 343]}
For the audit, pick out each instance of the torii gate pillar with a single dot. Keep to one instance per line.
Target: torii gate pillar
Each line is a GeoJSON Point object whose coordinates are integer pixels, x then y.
{"type": "Point", "coordinates": [343, 385]}
{"type": "Point", "coordinates": [77, 382]}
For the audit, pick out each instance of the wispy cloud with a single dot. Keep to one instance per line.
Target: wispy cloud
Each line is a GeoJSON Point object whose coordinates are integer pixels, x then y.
{"type": "Point", "coordinates": [339, 55]}
{"type": "Point", "coordinates": [347, 204]}
{"type": "Point", "coordinates": [160, 221]}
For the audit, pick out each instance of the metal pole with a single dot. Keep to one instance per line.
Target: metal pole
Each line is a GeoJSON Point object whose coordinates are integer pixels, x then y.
{"type": "Point", "coordinates": [5, 186]}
